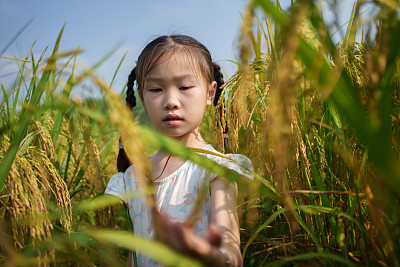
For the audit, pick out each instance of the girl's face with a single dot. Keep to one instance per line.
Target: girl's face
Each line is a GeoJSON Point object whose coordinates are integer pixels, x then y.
{"type": "Point", "coordinates": [175, 96]}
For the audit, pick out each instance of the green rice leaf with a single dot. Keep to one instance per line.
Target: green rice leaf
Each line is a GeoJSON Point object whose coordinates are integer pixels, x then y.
{"type": "Point", "coordinates": [150, 248]}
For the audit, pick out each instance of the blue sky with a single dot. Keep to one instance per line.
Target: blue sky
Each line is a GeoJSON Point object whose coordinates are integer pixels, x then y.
{"type": "Point", "coordinates": [99, 26]}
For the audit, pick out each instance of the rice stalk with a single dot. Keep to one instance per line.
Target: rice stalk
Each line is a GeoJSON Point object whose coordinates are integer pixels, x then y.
{"type": "Point", "coordinates": [25, 201]}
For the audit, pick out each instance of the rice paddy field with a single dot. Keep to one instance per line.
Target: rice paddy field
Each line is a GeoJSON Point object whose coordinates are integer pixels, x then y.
{"type": "Point", "coordinates": [320, 120]}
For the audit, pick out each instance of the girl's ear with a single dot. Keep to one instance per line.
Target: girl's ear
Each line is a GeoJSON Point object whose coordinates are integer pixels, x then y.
{"type": "Point", "coordinates": [211, 93]}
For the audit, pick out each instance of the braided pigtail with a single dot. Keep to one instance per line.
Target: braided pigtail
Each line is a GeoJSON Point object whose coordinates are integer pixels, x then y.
{"type": "Point", "coordinates": [122, 161]}
{"type": "Point", "coordinates": [221, 123]}
{"type": "Point", "coordinates": [130, 93]}
{"type": "Point", "coordinates": [219, 78]}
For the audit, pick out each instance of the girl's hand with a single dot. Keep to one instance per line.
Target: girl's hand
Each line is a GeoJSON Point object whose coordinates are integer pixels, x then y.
{"type": "Point", "coordinates": [222, 233]}
{"type": "Point", "coordinates": [183, 239]}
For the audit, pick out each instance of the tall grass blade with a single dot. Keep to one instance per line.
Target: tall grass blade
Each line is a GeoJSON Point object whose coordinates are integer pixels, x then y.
{"type": "Point", "coordinates": [26, 114]}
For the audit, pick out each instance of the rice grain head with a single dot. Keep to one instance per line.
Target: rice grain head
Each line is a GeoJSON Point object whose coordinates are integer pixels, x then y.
{"type": "Point", "coordinates": [94, 175]}
{"type": "Point", "coordinates": [45, 125]}
{"type": "Point", "coordinates": [49, 175]}
{"type": "Point", "coordinates": [27, 208]}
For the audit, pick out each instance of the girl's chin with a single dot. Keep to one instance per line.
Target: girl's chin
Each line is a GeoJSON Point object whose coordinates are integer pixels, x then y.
{"type": "Point", "coordinates": [173, 123]}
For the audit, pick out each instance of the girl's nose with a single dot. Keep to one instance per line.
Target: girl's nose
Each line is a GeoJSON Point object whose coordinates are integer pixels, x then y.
{"type": "Point", "coordinates": [171, 100]}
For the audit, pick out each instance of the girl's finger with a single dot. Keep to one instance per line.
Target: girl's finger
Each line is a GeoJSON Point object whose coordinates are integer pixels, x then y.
{"type": "Point", "coordinates": [214, 236]}
{"type": "Point", "coordinates": [182, 238]}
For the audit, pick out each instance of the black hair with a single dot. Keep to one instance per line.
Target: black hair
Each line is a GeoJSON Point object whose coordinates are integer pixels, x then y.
{"type": "Point", "coordinates": [147, 60]}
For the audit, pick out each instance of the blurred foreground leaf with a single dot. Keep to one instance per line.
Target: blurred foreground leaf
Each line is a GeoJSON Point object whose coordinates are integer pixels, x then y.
{"type": "Point", "coordinates": [150, 248]}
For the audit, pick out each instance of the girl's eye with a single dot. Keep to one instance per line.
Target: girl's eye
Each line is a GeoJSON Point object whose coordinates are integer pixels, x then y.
{"type": "Point", "coordinates": [154, 90]}
{"type": "Point", "coordinates": [184, 88]}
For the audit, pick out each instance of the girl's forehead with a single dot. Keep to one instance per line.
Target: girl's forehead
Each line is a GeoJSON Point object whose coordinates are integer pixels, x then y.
{"type": "Point", "coordinates": [182, 60]}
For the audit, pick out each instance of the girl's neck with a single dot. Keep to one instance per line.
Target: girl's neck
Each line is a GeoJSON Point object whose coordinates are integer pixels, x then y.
{"type": "Point", "coordinates": [164, 164]}
{"type": "Point", "coordinates": [194, 140]}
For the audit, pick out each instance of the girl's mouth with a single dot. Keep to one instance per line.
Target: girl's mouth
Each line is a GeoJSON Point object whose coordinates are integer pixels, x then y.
{"type": "Point", "coordinates": [172, 117]}
{"type": "Point", "coordinates": [172, 120]}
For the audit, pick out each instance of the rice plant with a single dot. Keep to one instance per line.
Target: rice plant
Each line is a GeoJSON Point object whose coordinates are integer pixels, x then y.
{"type": "Point", "coordinates": [319, 121]}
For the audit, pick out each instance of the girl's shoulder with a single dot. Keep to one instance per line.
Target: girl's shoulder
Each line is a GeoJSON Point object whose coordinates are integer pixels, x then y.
{"type": "Point", "coordinates": [236, 162]}
{"type": "Point", "coordinates": [121, 183]}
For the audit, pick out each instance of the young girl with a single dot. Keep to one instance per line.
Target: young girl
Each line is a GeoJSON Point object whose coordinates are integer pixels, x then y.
{"type": "Point", "coordinates": [176, 80]}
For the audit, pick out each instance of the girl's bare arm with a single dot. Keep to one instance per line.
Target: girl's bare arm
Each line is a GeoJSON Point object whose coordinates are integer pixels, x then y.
{"type": "Point", "coordinates": [223, 232]}
{"type": "Point", "coordinates": [224, 217]}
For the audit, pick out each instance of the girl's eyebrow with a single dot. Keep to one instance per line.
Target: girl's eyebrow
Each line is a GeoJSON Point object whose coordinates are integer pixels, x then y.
{"type": "Point", "coordinates": [176, 78]}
